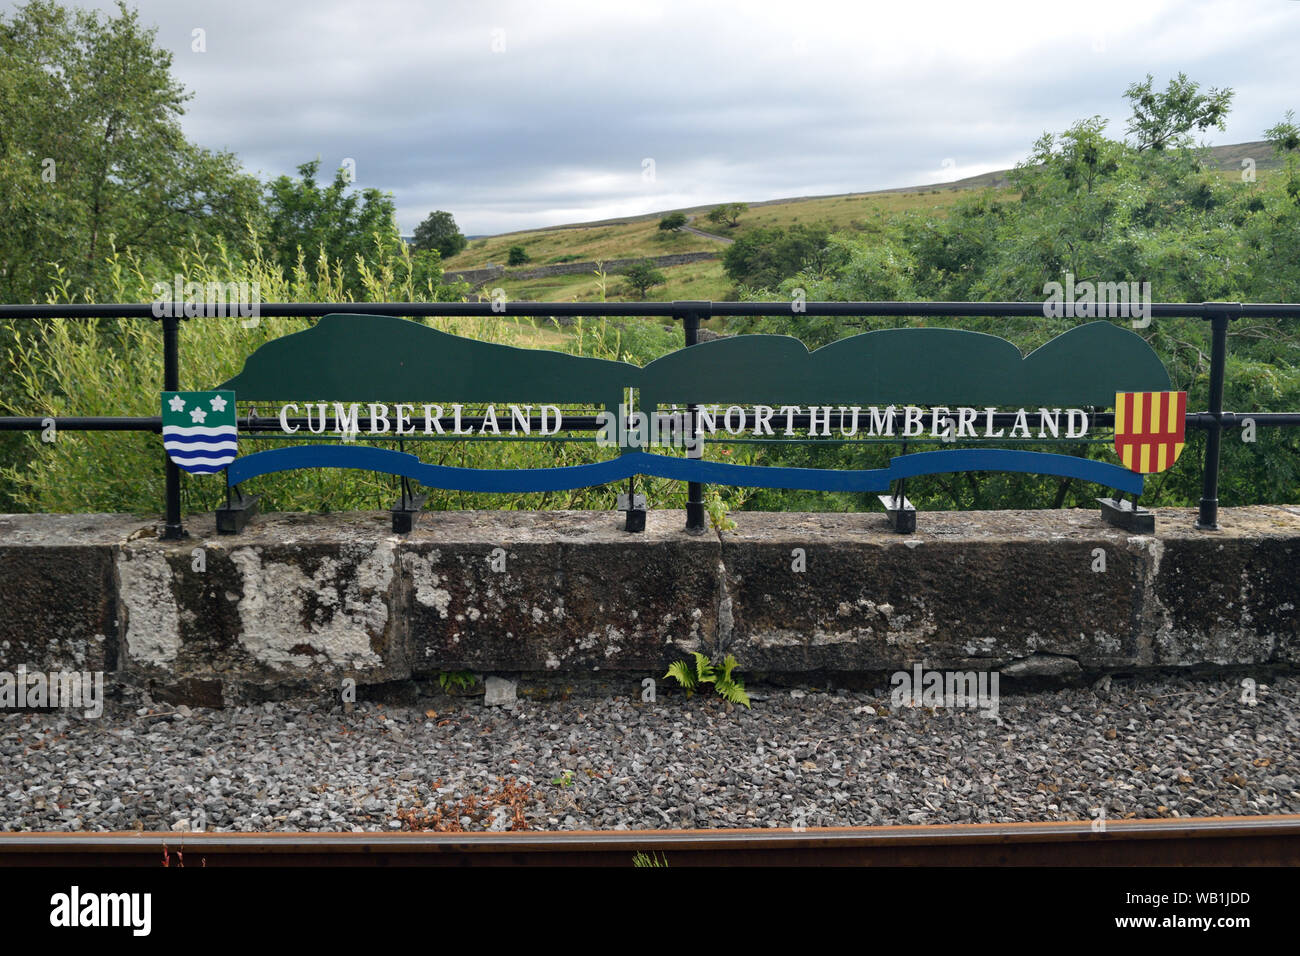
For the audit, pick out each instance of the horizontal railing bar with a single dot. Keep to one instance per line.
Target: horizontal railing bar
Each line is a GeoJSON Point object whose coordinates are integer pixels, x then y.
{"type": "Point", "coordinates": [83, 424]}
{"type": "Point", "coordinates": [1230, 419]}
{"type": "Point", "coordinates": [676, 309]}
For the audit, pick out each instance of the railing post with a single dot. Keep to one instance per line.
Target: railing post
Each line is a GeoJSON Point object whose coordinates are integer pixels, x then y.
{"type": "Point", "coordinates": [173, 529]}
{"type": "Point", "coordinates": [690, 316]}
{"type": "Point", "coordinates": [1208, 518]}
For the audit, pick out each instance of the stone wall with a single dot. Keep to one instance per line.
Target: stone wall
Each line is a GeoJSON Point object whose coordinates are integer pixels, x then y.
{"type": "Point", "coordinates": [297, 603]}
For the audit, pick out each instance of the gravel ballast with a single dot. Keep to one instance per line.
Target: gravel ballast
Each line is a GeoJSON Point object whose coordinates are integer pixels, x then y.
{"type": "Point", "coordinates": [1123, 748]}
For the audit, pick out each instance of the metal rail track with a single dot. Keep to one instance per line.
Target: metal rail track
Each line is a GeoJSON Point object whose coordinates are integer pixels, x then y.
{"type": "Point", "coordinates": [1211, 841]}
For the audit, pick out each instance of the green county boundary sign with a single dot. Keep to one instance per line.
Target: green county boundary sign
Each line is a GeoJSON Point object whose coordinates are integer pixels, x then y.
{"type": "Point", "coordinates": [890, 383]}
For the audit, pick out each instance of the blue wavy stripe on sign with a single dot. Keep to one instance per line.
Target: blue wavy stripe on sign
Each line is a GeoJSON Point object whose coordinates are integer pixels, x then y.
{"type": "Point", "coordinates": [434, 476]}
{"type": "Point", "coordinates": [184, 454]}
{"type": "Point", "coordinates": [553, 479]}
{"type": "Point", "coordinates": [209, 446]}
{"type": "Point", "coordinates": [204, 465]}
{"type": "Point", "coordinates": [181, 457]}
{"type": "Point", "coordinates": [198, 439]}
{"type": "Point", "coordinates": [1025, 462]}
{"type": "Point", "coordinates": [392, 462]}
{"type": "Point", "coordinates": [759, 476]}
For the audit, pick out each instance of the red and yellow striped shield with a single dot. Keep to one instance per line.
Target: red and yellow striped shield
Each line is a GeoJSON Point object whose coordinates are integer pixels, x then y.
{"type": "Point", "coordinates": [1149, 429]}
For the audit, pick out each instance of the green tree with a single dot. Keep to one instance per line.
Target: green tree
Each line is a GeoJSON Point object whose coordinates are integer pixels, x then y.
{"type": "Point", "coordinates": [1285, 139]}
{"type": "Point", "coordinates": [1167, 119]}
{"type": "Point", "coordinates": [642, 275]}
{"type": "Point", "coordinates": [439, 231]}
{"type": "Point", "coordinates": [92, 157]}
{"type": "Point", "coordinates": [728, 214]}
{"type": "Point", "coordinates": [672, 222]}
{"type": "Point", "coordinates": [308, 221]}
{"type": "Point", "coordinates": [517, 256]}
{"type": "Point", "coordinates": [1285, 136]}
{"type": "Point", "coordinates": [764, 258]}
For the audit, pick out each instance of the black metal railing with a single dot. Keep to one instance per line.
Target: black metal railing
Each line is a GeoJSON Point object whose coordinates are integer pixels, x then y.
{"type": "Point", "coordinates": [689, 313]}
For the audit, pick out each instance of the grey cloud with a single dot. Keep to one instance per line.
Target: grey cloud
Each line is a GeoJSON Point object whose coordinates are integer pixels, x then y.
{"type": "Point", "coordinates": [746, 100]}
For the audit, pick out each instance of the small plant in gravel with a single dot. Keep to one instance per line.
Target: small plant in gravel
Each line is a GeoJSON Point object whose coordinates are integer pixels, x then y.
{"type": "Point", "coordinates": [730, 688]}
{"type": "Point", "coordinates": [456, 680]}
{"type": "Point", "coordinates": [565, 779]}
{"type": "Point", "coordinates": [649, 859]}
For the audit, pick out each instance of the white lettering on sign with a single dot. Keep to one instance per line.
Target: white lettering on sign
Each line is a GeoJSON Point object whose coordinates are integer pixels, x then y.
{"type": "Point", "coordinates": [642, 429]}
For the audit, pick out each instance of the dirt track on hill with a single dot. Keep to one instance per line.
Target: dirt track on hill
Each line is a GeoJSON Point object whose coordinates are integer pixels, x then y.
{"type": "Point", "coordinates": [707, 235]}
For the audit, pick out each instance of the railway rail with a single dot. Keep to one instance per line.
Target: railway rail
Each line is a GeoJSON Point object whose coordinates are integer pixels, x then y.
{"type": "Point", "coordinates": [1210, 841]}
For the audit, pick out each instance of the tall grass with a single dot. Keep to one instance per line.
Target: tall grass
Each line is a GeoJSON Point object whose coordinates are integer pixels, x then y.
{"type": "Point", "coordinates": [114, 367]}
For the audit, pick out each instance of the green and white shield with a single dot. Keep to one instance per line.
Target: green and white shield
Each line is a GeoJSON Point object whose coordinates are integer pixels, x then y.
{"type": "Point", "coordinates": [199, 430]}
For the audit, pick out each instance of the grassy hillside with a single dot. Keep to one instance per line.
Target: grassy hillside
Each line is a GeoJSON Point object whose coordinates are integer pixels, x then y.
{"type": "Point", "coordinates": [616, 240]}
{"type": "Point", "coordinates": [695, 280]}
{"type": "Point", "coordinates": [640, 235]}
{"type": "Point", "coordinates": [844, 212]}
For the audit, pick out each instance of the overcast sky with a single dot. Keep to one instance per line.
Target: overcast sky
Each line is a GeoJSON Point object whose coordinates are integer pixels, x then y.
{"type": "Point", "coordinates": [513, 115]}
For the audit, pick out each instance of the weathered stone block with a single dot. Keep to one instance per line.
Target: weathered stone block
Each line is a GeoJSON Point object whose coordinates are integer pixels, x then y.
{"type": "Point", "coordinates": [58, 598]}
{"type": "Point", "coordinates": [1231, 596]}
{"type": "Point", "coordinates": [294, 599]}
{"type": "Point", "coordinates": [530, 591]}
{"type": "Point", "coordinates": [967, 589]}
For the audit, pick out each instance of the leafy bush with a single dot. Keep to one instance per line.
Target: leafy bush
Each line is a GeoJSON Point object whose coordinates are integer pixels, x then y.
{"type": "Point", "coordinates": [717, 509]}
{"type": "Point", "coordinates": [641, 276]}
{"type": "Point", "coordinates": [765, 258]}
